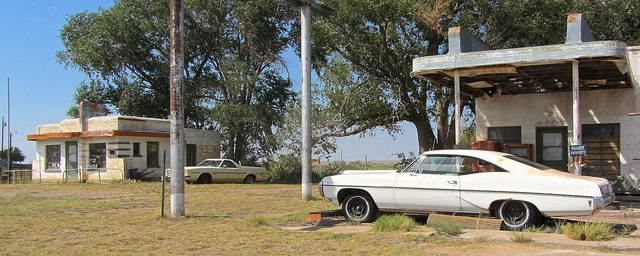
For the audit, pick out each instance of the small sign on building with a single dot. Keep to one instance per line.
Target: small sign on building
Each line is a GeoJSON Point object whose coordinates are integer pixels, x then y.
{"type": "Point", "coordinates": [578, 150]}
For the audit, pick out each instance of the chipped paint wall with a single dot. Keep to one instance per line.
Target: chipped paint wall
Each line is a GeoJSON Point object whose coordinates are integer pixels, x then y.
{"type": "Point", "coordinates": [207, 143]}
{"type": "Point", "coordinates": [554, 109]}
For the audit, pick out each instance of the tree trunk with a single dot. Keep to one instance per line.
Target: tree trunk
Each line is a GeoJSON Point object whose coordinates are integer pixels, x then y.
{"type": "Point", "coordinates": [425, 135]}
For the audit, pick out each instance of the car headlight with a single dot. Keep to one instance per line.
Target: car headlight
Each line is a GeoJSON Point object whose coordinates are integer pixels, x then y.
{"type": "Point", "coordinates": [321, 188]}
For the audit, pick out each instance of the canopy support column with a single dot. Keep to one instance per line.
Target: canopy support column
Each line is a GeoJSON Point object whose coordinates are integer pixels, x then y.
{"type": "Point", "coordinates": [456, 92]}
{"type": "Point", "coordinates": [577, 128]}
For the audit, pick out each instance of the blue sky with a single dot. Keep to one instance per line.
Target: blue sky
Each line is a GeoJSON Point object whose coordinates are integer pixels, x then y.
{"type": "Point", "coordinates": [42, 89]}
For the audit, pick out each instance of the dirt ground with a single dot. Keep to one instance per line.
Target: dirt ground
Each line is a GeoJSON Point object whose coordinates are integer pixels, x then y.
{"type": "Point", "coordinates": [543, 243]}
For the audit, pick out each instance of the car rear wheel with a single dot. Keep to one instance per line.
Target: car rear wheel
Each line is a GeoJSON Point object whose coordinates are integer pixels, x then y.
{"type": "Point", "coordinates": [359, 208]}
{"type": "Point", "coordinates": [249, 179]}
{"type": "Point", "coordinates": [204, 179]}
{"type": "Point", "coordinates": [517, 215]}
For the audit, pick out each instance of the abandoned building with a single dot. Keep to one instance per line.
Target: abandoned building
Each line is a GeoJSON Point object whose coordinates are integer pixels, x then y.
{"type": "Point", "coordinates": [96, 146]}
{"type": "Point", "coordinates": [538, 101]}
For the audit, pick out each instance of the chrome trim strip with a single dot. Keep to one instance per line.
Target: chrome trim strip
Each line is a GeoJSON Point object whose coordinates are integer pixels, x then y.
{"type": "Point", "coordinates": [461, 190]}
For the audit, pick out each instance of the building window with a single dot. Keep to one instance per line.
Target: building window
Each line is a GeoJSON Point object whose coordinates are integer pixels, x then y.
{"type": "Point", "coordinates": [191, 154]}
{"type": "Point", "coordinates": [53, 156]}
{"type": "Point", "coordinates": [152, 154]}
{"type": "Point", "coordinates": [507, 134]}
{"type": "Point", "coordinates": [97, 155]}
{"type": "Point", "coordinates": [136, 149]}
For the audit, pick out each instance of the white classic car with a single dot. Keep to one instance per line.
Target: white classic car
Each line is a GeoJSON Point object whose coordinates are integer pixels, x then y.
{"type": "Point", "coordinates": [223, 170]}
{"type": "Point", "coordinates": [516, 190]}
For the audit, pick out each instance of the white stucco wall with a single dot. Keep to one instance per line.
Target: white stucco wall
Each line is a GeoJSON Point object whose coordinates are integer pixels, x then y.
{"type": "Point", "coordinates": [554, 109]}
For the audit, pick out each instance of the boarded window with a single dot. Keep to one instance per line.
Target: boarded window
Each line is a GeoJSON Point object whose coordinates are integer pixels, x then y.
{"type": "Point", "coordinates": [603, 149]}
{"type": "Point", "coordinates": [97, 155]}
{"type": "Point", "coordinates": [191, 154]}
{"type": "Point", "coordinates": [153, 150]}
{"type": "Point", "coordinates": [53, 156]}
{"type": "Point", "coordinates": [507, 134]}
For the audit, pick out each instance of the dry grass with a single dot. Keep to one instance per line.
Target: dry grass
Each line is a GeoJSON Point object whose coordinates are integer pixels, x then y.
{"type": "Point", "coordinates": [228, 219]}
{"type": "Point", "coordinates": [222, 219]}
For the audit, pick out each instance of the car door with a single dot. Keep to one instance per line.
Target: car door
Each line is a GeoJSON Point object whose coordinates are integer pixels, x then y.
{"type": "Point", "coordinates": [230, 172]}
{"type": "Point", "coordinates": [433, 186]}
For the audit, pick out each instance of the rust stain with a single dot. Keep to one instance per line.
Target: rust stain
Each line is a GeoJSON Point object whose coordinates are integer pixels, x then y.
{"type": "Point", "coordinates": [454, 31]}
{"type": "Point", "coordinates": [573, 17]}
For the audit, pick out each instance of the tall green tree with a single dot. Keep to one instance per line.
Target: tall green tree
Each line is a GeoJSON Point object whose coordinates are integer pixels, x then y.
{"type": "Point", "coordinates": [232, 58]}
{"type": "Point", "coordinates": [364, 55]}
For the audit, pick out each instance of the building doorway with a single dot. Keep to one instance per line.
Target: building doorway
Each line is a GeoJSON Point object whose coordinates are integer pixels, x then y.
{"type": "Point", "coordinates": [71, 160]}
{"type": "Point", "coordinates": [551, 147]}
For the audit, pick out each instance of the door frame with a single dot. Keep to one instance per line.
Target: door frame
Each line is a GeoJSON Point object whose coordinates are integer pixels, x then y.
{"type": "Point", "coordinates": [67, 164]}
{"type": "Point", "coordinates": [565, 145]}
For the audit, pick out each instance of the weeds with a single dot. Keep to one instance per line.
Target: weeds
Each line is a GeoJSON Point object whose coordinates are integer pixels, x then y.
{"type": "Point", "coordinates": [587, 231]}
{"type": "Point", "coordinates": [521, 237]}
{"type": "Point", "coordinates": [448, 227]}
{"type": "Point", "coordinates": [394, 223]}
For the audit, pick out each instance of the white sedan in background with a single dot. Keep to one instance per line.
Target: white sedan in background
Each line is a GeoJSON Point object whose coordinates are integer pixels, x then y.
{"type": "Point", "coordinates": [516, 190]}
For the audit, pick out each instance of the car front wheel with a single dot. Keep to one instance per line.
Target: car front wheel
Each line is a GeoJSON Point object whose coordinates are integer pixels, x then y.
{"type": "Point", "coordinates": [359, 208]}
{"type": "Point", "coordinates": [204, 179]}
{"type": "Point", "coordinates": [517, 215]}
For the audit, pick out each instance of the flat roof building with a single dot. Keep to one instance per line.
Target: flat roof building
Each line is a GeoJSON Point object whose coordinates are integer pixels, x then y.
{"type": "Point", "coordinates": [100, 147]}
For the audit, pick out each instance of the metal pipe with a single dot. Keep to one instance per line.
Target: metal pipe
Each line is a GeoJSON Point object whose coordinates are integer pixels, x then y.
{"type": "Point", "coordinates": [176, 77]}
{"type": "Point", "coordinates": [456, 92]}
{"type": "Point", "coordinates": [8, 126]}
{"type": "Point", "coordinates": [305, 48]}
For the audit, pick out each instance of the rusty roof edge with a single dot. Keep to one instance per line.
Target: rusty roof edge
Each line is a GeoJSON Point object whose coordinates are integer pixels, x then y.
{"type": "Point", "coordinates": [537, 54]}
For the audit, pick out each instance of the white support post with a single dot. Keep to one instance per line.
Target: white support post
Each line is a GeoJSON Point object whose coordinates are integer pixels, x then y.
{"type": "Point", "coordinates": [577, 129]}
{"type": "Point", "coordinates": [456, 92]}
{"type": "Point", "coordinates": [305, 20]}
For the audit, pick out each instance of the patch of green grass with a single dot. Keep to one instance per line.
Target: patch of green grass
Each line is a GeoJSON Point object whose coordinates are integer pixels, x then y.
{"type": "Point", "coordinates": [394, 223]}
{"type": "Point", "coordinates": [448, 227]}
{"type": "Point", "coordinates": [257, 221]}
{"type": "Point", "coordinates": [589, 231]}
{"type": "Point", "coordinates": [521, 237]}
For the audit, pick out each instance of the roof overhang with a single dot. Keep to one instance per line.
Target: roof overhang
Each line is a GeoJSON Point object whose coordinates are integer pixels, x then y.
{"type": "Point", "coordinates": [114, 133]}
{"type": "Point", "coordinates": [603, 65]}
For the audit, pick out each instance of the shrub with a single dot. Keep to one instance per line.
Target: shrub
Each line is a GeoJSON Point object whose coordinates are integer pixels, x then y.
{"type": "Point", "coordinates": [448, 227]}
{"type": "Point", "coordinates": [394, 223]}
{"type": "Point", "coordinates": [587, 231]}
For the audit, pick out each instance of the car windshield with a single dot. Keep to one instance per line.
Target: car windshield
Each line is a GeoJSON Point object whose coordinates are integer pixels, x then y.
{"type": "Point", "coordinates": [210, 163]}
{"type": "Point", "coordinates": [533, 164]}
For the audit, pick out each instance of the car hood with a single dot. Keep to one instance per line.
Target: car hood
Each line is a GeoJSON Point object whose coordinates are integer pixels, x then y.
{"type": "Point", "coordinates": [197, 167]}
{"type": "Point", "coordinates": [350, 172]}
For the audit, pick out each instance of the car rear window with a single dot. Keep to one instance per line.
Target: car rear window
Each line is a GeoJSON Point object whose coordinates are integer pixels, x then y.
{"type": "Point", "coordinates": [533, 164]}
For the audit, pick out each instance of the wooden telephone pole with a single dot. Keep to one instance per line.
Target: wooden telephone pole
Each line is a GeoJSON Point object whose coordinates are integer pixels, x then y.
{"type": "Point", "coordinates": [176, 120]}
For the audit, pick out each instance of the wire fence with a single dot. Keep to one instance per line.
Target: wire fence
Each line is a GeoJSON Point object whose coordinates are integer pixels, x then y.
{"type": "Point", "coordinates": [68, 175]}
{"type": "Point", "coordinates": [15, 176]}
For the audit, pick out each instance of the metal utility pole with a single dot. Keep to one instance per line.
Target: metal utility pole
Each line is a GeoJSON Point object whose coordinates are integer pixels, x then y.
{"type": "Point", "coordinates": [306, 7]}
{"type": "Point", "coordinates": [8, 126]}
{"type": "Point", "coordinates": [176, 77]}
